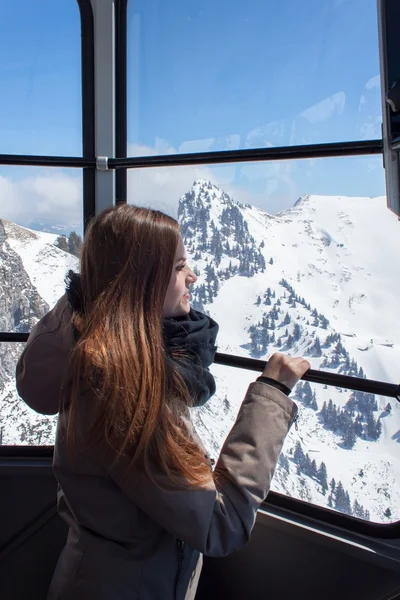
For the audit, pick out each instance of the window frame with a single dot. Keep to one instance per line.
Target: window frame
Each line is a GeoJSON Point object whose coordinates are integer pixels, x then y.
{"type": "Point", "coordinates": [389, 50]}
{"type": "Point", "coordinates": [88, 161]}
{"type": "Point", "coordinates": [120, 163]}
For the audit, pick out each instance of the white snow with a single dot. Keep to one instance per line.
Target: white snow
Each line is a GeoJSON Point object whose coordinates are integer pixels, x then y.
{"type": "Point", "coordinates": [342, 255]}
{"type": "Point", "coordinates": [44, 262]}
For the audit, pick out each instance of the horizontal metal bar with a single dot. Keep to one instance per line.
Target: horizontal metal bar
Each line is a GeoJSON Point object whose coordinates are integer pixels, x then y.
{"type": "Point", "coordinates": [371, 386]}
{"type": "Point", "coordinates": [328, 516]}
{"type": "Point", "coordinates": [13, 337]}
{"type": "Point", "coordinates": [322, 377]}
{"type": "Point", "coordinates": [28, 454]}
{"type": "Point", "coordinates": [251, 155]}
{"type": "Point", "coordinates": [27, 160]}
{"type": "Point", "coordinates": [338, 149]}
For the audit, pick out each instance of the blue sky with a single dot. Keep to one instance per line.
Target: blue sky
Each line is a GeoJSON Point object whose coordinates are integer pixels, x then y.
{"type": "Point", "coordinates": [203, 76]}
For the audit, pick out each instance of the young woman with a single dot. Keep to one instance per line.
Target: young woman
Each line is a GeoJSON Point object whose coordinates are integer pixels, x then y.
{"type": "Point", "coordinates": [122, 357]}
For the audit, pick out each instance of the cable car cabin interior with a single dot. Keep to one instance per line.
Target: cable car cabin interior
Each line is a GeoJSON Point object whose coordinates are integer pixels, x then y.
{"type": "Point", "coordinates": [270, 131]}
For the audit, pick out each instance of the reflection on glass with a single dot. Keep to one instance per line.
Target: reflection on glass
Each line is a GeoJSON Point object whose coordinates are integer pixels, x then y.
{"type": "Point", "coordinates": [40, 78]}
{"type": "Point", "coordinates": [273, 186]}
{"type": "Point", "coordinates": [19, 425]}
{"type": "Point", "coordinates": [314, 273]}
{"type": "Point", "coordinates": [218, 76]}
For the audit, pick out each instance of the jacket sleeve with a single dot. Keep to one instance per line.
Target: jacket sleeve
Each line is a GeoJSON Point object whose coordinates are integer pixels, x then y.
{"type": "Point", "coordinates": [218, 519]}
{"type": "Point", "coordinates": [40, 368]}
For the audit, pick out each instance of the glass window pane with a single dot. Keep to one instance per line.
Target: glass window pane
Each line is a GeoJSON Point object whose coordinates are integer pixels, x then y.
{"type": "Point", "coordinates": [40, 78]}
{"type": "Point", "coordinates": [40, 209]}
{"type": "Point", "coordinates": [300, 257]}
{"type": "Point", "coordinates": [19, 425]}
{"type": "Point", "coordinates": [223, 75]}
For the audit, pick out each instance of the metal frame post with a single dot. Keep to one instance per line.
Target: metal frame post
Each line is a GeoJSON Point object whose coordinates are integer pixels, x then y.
{"type": "Point", "coordinates": [104, 85]}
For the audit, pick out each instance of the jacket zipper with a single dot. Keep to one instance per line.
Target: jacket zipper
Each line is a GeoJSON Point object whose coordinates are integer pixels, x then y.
{"type": "Point", "coordinates": [180, 545]}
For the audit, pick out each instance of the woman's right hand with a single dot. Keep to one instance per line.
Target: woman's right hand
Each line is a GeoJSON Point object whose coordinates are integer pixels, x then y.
{"type": "Point", "coordinates": [286, 369]}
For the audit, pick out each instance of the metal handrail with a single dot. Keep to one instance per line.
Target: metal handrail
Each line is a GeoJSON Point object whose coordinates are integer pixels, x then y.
{"type": "Point", "coordinates": [371, 386]}
{"type": "Point", "coordinates": [324, 150]}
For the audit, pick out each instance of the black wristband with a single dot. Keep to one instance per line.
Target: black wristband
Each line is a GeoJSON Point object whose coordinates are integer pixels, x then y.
{"type": "Point", "coordinates": [277, 384]}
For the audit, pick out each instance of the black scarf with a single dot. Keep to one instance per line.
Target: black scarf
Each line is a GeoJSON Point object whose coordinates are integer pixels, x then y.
{"type": "Point", "coordinates": [195, 335]}
{"type": "Point", "coordinates": [189, 342]}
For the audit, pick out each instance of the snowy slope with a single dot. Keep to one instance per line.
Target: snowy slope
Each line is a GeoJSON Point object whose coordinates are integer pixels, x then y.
{"type": "Point", "coordinates": [44, 262]}
{"type": "Point", "coordinates": [339, 254]}
{"type": "Point", "coordinates": [343, 253]}
{"type": "Point", "coordinates": [39, 272]}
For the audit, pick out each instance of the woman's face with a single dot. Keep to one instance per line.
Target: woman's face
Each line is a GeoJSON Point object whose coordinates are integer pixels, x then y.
{"type": "Point", "coordinates": [177, 298]}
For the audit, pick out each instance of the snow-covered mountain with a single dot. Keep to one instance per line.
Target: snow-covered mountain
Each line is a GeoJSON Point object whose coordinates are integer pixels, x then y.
{"type": "Point", "coordinates": [32, 269]}
{"type": "Point", "coordinates": [320, 279]}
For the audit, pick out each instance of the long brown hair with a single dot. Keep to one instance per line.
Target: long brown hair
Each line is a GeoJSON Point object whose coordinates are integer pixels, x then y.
{"type": "Point", "coordinates": [127, 259]}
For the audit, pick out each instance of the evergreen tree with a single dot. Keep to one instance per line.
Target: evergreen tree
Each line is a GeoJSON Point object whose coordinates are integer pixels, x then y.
{"type": "Point", "coordinates": [378, 430]}
{"type": "Point", "coordinates": [358, 426]}
{"type": "Point", "coordinates": [388, 513]}
{"type": "Point", "coordinates": [296, 332]}
{"type": "Point", "coordinates": [371, 427]}
{"type": "Point", "coordinates": [284, 462]}
{"type": "Point", "coordinates": [271, 261]}
{"type": "Point", "coordinates": [299, 456]}
{"type": "Point", "coordinates": [289, 342]}
{"type": "Point", "coordinates": [315, 349]}
{"type": "Point", "coordinates": [306, 394]}
{"type": "Point", "coordinates": [358, 510]}
{"type": "Point", "coordinates": [323, 412]}
{"type": "Point", "coordinates": [322, 477]}
{"type": "Point", "coordinates": [286, 320]}
{"type": "Point", "coordinates": [323, 321]}
{"type": "Point", "coordinates": [62, 243]}
{"type": "Point", "coordinates": [313, 403]}
{"type": "Point", "coordinates": [388, 407]}
{"type": "Point", "coordinates": [348, 503]}
{"type": "Point", "coordinates": [314, 470]}
{"type": "Point", "coordinates": [348, 432]}
{"type": "Point", "coordinates": [74, 244]}
{"type": "Point", "coordinates": [342, 499]}
{"type": "Point", "coordinates": [307, 465]}
{"type": "Point", "coordinates": [331, 416]}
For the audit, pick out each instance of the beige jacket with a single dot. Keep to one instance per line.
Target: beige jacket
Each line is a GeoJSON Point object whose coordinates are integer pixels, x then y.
{"type": "Point", "coordinates": [128, 538]}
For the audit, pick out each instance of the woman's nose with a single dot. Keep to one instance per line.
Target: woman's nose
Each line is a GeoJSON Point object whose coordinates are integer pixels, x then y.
{"type": "Point", "coordinates": [191, 277]}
